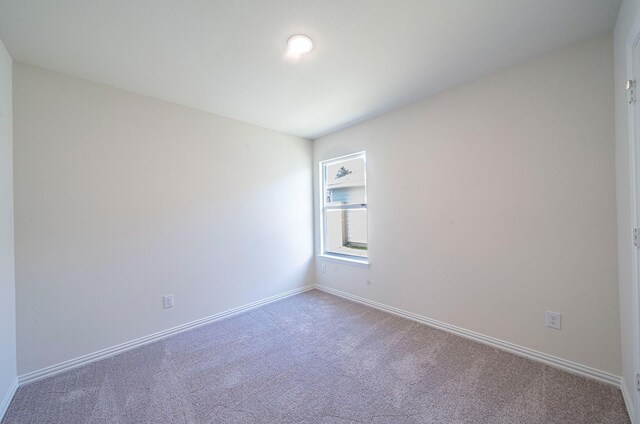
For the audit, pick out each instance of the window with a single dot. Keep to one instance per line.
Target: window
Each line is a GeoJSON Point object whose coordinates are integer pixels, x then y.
{"type": "Point", "coordinates": [344, 206]}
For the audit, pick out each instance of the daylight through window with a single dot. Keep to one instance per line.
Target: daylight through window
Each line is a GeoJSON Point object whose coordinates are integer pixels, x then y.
{"type": "Point", "coordinates": [344, 206]}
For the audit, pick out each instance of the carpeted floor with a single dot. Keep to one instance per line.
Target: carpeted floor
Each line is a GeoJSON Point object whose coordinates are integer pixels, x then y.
{"type": "Point", "coordinates": [316, 358]}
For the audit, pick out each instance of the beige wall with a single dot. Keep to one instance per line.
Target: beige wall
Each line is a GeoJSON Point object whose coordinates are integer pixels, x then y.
{"type": "Point", "coordinates": [494, 202]}
{"type": "Point", "coordinates": [7, 271]}
{"type": "Point", "coordinates": [627, 16]}
{"type": "Point", "coordinates": [121, 198]}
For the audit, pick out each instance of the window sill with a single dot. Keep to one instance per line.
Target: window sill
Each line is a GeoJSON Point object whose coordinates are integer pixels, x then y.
{"type": "Point", "coordinates": [358, 263]}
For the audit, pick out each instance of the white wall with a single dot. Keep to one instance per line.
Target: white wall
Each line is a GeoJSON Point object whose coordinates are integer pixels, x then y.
{"type": "Point", "coordinates": [494, 202]}
{"type": "Point", "coordinates": [7, 271]}
{"type": "Point", "coordinates": [121, 198]}
{"type": "Point", "coordinates": [627, 16]}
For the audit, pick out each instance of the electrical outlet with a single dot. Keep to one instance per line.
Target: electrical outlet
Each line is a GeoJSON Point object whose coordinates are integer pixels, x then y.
{"type": "Point", "coordinates": [167, 301]}
{"type": "Point", "coordinates": [552, 320]}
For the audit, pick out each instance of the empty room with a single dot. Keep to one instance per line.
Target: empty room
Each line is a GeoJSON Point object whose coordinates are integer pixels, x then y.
{"type": "Point", "coordinates": [319, 211]}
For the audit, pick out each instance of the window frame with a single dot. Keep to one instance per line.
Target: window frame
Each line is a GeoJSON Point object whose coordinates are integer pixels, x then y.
{"type": "Point", "coordinates": [329, 256]}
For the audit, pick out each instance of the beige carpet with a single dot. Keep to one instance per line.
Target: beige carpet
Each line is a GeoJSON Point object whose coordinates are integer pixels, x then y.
{"type": "Point", "coordinates": [316, 358]}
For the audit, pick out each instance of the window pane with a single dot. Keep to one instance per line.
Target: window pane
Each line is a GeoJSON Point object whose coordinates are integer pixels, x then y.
{"type": "Point", "coordinates": [346, 231]}
{"type": "Point", "coordinates": [344, 204]}
{"type": "Point", "coordinates": [345, 196]}
{"type": "Point", "coordinates": [345, 173]}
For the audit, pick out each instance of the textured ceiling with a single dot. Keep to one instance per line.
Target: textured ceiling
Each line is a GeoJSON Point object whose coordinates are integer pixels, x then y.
{"type": "Point", "coordinates": [228, 57]}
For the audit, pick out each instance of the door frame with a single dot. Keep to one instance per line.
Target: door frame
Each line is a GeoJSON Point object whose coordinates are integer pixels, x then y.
{"type": "Point", "coordinates": [633, 40]}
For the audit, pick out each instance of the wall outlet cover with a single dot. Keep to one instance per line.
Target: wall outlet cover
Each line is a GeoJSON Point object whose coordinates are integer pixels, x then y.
{"type": "Point", "coordinates": [553, 320]}
{"type": "Point", "coordinates": [167, 301]}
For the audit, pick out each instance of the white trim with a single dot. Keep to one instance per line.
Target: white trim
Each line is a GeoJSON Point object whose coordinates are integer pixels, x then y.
{"type": "Point", "coordinates": [114, 350]}
{"type": "Point", "coordinates": [500, 344]}
{"type": "Point", "coordinates": [322, 215]}
{"type": "Point", "coordinates": [632, 39]}
{"type": "Point", "coordinates": [554, 361]}
{"type": "Point", "coordinates": [344, 157]}
{"type": "Point", "coordinates": [8, 397]}
{"type": "Point", "coordinates": [628, 401]}
{"type": "Point", "coordinates": [344, 261]}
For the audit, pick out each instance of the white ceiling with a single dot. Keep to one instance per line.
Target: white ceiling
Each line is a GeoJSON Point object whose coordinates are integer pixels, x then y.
{"type": "Point", "coordinates": [228, 56]}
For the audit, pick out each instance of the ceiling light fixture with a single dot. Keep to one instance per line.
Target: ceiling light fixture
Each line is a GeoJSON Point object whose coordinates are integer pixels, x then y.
{"type": "Point", "coordinates": [299, 44]}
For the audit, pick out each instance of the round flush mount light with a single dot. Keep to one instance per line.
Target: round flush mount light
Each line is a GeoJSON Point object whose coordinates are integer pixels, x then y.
{"type": "Point", "coordinates": [299, 44]}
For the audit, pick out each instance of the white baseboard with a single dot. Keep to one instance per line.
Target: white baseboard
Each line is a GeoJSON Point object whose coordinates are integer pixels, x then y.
{"type": "Point", "coordinates": [497, 343]}
{"type": "Point", "coordinates": [628, 401]}
{"type": "Point", "coordinates": [114, 350]}
{"type": "Point", "coordinates": [554, 361]}
{"type": "Point", "coordinates": [8, 397]}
